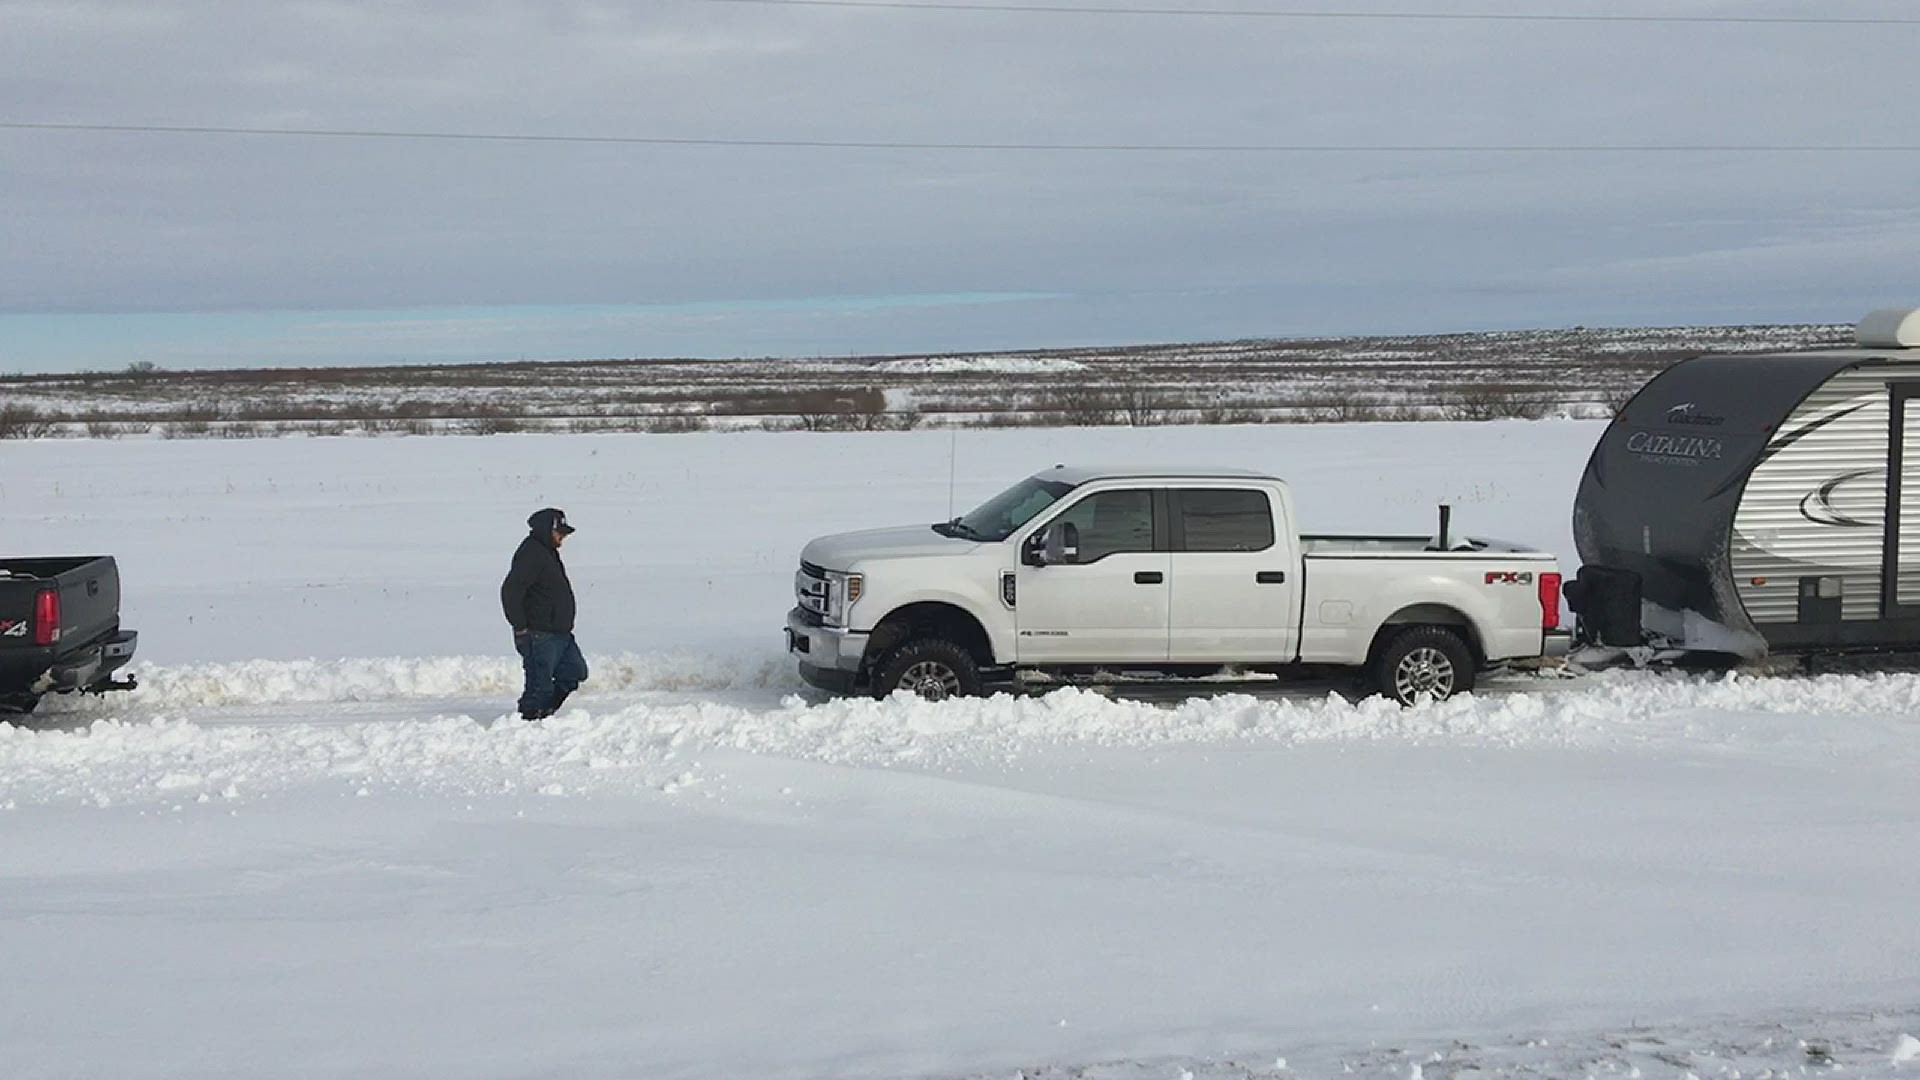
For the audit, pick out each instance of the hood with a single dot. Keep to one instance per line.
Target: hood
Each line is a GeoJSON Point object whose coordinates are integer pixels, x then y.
{"type": "Point", "coordinates": [842, 550]}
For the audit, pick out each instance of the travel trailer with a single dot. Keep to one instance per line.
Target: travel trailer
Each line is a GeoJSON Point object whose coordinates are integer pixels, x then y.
{"type": "Point", "coordinates": [1759, 504]}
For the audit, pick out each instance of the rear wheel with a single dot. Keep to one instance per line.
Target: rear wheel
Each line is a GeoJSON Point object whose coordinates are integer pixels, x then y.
{"type": "Point", "coordinates": [18, 704]}
{"type": "Point", "coordinates": [1430, 661]}
{"type": "Point", "coordinates": [933, 669]}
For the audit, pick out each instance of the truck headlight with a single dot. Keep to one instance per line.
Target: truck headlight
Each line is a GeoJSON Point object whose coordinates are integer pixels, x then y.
{"type": "Point", "coordinates": [843, 591]}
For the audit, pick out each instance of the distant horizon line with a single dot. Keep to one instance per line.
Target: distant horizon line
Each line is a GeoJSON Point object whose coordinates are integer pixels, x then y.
{"type": "Point", "coordinates": [139, 368]}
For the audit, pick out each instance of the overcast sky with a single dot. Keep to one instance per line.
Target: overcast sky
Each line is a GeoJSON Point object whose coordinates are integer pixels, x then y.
{"type": "Point", "coordinates": [204, 250]}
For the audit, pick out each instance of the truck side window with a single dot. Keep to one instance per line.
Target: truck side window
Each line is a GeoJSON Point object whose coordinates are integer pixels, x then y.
{"type": "Point", "coordinates": [1222, 520]}
{"type": "Point", "coordinates": [1112, 523]}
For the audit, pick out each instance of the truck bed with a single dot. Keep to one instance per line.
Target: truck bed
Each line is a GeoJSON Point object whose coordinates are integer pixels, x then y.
{"type": "Point", "coordinates": [1399, 547]}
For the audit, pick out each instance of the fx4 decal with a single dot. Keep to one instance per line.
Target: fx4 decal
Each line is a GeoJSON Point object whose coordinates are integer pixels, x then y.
{"type": "Point", "coordinates": [13, 629]}
{"type": "Point", "coordinates": [1509, 577]}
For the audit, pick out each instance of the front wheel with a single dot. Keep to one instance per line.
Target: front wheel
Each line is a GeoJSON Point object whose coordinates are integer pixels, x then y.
{"type": "Point", "coordinates": [1430, 661]}
{"type": "Point", "coordinates": [933, 669]}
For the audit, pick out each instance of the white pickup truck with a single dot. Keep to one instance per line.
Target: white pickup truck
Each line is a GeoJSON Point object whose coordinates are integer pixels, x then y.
{"type": "Point", "coordinates": [1170, 571]}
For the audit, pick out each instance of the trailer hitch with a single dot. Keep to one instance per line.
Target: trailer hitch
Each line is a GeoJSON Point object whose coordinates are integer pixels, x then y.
{"type": "Point", "coordinates": [114, 685]}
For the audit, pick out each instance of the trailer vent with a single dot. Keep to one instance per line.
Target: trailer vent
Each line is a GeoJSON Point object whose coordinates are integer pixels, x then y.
{"type": "Point", "coordinates": [1894, 328]}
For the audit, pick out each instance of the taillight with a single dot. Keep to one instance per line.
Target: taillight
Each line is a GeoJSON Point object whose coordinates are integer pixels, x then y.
{"type": "Point", "coordinates": [1549, 601]}
{"type": "Point", "coordinates": [46, 618]}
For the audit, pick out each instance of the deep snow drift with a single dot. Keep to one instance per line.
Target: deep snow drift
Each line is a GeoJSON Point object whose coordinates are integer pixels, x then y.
{"type": "Point", "coordinates": [314, 845]}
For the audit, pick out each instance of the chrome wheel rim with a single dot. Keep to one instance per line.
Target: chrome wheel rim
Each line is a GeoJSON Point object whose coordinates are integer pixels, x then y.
{"type": "Point", "coordinates": [1425, 670]}
{"type": "Point", "coordinates": [931, 680]}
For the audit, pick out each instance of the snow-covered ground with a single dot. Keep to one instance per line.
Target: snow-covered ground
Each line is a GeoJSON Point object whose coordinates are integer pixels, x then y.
{"type": "Point", "coordinates": [315, 845]}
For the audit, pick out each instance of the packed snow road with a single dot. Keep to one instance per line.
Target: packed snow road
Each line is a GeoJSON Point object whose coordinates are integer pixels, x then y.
{"type": "Point", "coordinates": [349, 866]}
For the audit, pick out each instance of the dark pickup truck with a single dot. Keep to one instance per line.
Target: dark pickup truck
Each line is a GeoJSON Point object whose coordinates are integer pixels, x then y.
{"type": "Point", "coordinates": [60, 628]}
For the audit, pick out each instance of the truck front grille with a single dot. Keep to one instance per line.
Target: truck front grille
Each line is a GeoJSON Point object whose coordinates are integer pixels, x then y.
{"type": "Point", "coordinates": [811, 590]}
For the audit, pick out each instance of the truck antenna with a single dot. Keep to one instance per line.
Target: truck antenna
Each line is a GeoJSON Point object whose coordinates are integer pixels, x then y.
{"type": "Point", "coordinates": [953, 456]}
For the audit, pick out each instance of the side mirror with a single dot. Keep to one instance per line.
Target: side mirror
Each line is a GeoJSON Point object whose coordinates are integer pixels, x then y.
{"type": "Point", "coordinates": [1061, 544]}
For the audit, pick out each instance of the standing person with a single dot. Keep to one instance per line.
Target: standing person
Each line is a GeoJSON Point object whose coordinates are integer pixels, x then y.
{"type": "Point", "coordinates": [538, 600]}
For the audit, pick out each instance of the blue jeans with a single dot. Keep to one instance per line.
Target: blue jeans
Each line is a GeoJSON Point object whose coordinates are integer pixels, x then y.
{"type": "Point", "coordinates": [554, 667]}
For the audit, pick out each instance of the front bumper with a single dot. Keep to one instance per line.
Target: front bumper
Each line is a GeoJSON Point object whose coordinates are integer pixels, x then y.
{"type": "Point", "coordinates": [829, 657]}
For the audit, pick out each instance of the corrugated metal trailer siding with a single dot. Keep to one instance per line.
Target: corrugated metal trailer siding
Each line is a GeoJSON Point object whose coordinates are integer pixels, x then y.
{"type": "Point", "coordinates": [1774, 538]}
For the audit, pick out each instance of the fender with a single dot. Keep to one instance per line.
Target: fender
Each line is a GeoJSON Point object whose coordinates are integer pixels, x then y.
{"type": "Point", "coordinates": [1474, 607]}
{"type": "Point", "coordinates": [986, 610]}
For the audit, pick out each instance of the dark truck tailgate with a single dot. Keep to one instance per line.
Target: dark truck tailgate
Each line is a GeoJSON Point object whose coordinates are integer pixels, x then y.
{"type": "Point", "coordinates": [89, 587]}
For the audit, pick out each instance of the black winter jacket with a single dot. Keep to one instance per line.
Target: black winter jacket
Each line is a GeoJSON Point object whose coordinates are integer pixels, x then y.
{"type": "Point", "coordinates": [537, 594]}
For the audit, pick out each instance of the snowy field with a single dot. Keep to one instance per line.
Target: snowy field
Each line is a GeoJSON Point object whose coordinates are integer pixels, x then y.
{"type": "Point", "coordinates": [315, 844]}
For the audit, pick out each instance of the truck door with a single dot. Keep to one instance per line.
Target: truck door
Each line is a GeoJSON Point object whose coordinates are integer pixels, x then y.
{"type": "Point", "coordinates": [1110, 604]}
{"type": "Point", "coordinates": [1235, 578]}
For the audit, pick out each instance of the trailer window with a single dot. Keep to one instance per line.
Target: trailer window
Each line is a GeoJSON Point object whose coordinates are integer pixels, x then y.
{"type": "Point", "coordinates": [1215, 519]}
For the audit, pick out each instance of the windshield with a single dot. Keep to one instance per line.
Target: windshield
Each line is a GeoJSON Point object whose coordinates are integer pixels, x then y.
{"type": "Point", "coordinates": [1001, 515]}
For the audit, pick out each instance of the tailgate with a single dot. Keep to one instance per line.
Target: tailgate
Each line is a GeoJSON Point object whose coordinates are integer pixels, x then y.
{"type": "Point", "coordinates": [89, 601]}
{"type": "Point", "coordinates": [89, 591]}
{"type": "Point", "coordinates": [16, 611]}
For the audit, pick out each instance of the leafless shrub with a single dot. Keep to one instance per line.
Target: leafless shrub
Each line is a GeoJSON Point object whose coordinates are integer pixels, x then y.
{"type": "Point", "coordinates": [241, 430]}
{"type": "Point", "coordinates": [108, 429]}
{"type": "Point", "coordinates": [1490, 402]}
{"type": "Point", "coordinates": [1081, 405]}
{"type": "Point", "coordinates": [186, 429]}
{"type": "Point", "coordinates": [1400, 413]}
{"type": "Point", "coordinates": [27, 422]}
{"type": "Point", "coordinates": [1216, 412]}
{"type": "Point", "coordinates": [488, 425]}
{"type": "Point", "coordinates": [1348, 409]}
{"type": "Point", "coordinates": [885, 421]}
{"type": "Point", "coordinates": [1139, 406]}
{"type": "Point", "coordinates": [680, 424]}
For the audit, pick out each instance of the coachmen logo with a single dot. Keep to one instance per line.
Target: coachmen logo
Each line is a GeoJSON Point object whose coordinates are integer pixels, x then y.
{"type": "Point", "coordinates": [1687, 448]}
{"type": "Point", "coordinates": [1688, 413]}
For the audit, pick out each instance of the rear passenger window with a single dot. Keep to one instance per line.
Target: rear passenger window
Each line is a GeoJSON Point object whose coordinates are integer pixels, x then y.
{"type": "Point", "coordinates": [1112, 523]}
{"type": "Point", "coordinates": [1221, 520]}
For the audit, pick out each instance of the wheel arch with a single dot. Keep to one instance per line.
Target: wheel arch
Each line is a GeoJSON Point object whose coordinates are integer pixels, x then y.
{"type": "Point", "coordinates": [1429, 613]}
{"type": "Point", "coordinates": [929, 618]}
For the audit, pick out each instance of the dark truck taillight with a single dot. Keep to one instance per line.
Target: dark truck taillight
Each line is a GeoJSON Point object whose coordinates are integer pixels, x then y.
{"type": "Point", "coordinates": [46, 617]}
{"type": "Point", "coordinates": [1549, 601]}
